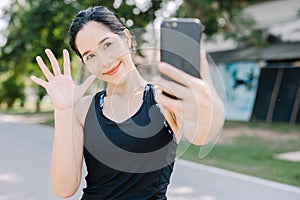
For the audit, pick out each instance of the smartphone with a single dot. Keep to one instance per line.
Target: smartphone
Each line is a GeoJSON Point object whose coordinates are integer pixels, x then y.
{"type": "Point", "coordinates": [180, 44]}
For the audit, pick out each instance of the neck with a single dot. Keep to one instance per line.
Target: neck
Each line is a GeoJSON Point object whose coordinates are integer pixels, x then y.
{"type": "Point", "coordinates": [133, 82]}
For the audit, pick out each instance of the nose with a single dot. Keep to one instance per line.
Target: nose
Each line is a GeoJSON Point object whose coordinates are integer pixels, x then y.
{"type": "Point", "coordinates": [104, 59]}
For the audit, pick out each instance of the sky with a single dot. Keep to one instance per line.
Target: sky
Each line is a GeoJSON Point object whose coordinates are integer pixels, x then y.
{"type": "Point", "coordinates": [3, 3]}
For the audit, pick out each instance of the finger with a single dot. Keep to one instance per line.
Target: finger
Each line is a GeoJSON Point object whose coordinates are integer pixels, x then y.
{"type": "Point", "coordinates": [171, 87]}
{"type": "Point", "coordinates": [67, 68]}
{"type": "Point", "coordinates": [53, 61]}
{"type": "Point", "coordinates": [175, 74]}
{"type": "Point", "coordinates": [87, 83]}
{"type": "Point", "coordinates": [39, 81]}
{"type": "Point", "coordinates": [44, 68]}
{"type": "Point", "coordinates": [169, 103]}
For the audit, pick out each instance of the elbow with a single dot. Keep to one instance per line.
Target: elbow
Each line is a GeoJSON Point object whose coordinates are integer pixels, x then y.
{"type": "Point", "coordinates": [63, 192]}
{"type": "Point", "coordinates": [64, 188]}
{"type": "Point", "coordinates": [63, 195]}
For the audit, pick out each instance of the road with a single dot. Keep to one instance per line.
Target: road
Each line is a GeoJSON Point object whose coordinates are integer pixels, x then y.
{"type": "Point", "coordinates": [25, 152]}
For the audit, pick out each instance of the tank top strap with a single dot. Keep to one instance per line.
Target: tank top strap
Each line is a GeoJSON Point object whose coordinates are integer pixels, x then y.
{"type": "Point", "coordinates": [150, 98]}
{"type": "Point", "coordinates": [99, 98]}
{"type": "Point", "coordinates": [149, 94]}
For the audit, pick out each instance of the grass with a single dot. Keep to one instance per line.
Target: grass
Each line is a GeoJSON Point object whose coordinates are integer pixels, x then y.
{"type": "Point", "coordinates": [275, 126]}
{"type": "Point", "coordinates": [247, 154]}
{"type": "Point", "coordinates": [254, 156]}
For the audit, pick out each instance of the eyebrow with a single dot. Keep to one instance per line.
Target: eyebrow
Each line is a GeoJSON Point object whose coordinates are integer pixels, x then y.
{"type": "Point", "coordinates": [88, 51]}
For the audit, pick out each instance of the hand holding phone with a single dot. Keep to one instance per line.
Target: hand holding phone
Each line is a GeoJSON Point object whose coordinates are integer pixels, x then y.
{"type": "Point", "coordinates": [180, 44]}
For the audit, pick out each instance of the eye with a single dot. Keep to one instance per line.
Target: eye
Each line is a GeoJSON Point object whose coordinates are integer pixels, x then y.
{"type": "Point", "coordinates": [90, 56]}
{"type": "Point", "coordinates": [106, 45]}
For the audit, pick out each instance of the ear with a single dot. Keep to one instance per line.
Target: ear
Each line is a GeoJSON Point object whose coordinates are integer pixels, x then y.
{"type": "Point", "coordinates": [128, 37]}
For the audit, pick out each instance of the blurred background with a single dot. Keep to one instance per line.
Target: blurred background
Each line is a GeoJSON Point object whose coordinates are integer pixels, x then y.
{"type": "Point", "coordinates": [255, 45]}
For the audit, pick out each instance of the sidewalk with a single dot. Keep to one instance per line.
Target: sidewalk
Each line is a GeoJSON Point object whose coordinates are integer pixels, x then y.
{"type": "Point", "coordinates": [25, 155]}
{"type": "Point", "coordinates": [193, 181]}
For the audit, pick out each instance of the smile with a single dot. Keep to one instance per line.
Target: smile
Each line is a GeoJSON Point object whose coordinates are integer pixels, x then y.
{"type": "Point", "coordinates": [113, 70]}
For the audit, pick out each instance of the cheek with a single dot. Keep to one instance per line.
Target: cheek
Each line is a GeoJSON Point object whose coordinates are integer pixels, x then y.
{"type": "Point", "coordinates": [127, 60]}
{"type": "Point", "coordinates": [95, 70]}
{"type": "Point", "coordinates": [115, 53]}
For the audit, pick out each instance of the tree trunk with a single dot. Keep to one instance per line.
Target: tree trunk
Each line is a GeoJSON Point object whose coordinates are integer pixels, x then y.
{"type": "Point", "coordinates": [38, 106]}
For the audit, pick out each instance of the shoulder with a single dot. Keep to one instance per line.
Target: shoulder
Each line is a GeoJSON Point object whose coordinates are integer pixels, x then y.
{"type": "Point", "coordinates": [82, 108]}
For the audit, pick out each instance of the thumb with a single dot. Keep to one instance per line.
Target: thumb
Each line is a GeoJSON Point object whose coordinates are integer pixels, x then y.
{"type": "Point", "coordinates": [87, 83]}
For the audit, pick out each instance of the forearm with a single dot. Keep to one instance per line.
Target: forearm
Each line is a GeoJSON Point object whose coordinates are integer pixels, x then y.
{"type": "Point", "coordinates": [214, 122]}
{"type": "Point", "coordinates": [65, 166]}
{"type": "Point", "coordinates": [207, 124]}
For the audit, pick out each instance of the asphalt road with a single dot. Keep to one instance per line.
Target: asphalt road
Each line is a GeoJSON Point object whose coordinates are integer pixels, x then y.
{"type": "Point", "coordinates": [25, 152]}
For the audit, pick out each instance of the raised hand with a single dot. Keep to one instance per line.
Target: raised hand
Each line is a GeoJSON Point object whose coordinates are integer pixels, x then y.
{"type": "Point", "coordinates": [198, 112]}
{"type": "Point", "coordinates": [61, 88]}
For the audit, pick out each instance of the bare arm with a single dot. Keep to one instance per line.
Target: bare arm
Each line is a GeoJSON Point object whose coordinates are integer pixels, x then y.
{"type": "Point", "coordinates": [67, 151]}
{"type": "Point", "coordinates": [198, 114]}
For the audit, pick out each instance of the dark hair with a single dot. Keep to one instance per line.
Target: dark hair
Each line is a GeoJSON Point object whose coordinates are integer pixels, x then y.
{"type": "Point", "coordinates": [99, 14]}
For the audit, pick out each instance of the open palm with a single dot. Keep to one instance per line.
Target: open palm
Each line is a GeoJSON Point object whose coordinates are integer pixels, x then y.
{"type": "Point", "coordinates": [61, 88]}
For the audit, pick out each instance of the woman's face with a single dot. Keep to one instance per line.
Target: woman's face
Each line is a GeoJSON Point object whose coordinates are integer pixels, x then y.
{"type": "Point", "coordinates": [105, 53]}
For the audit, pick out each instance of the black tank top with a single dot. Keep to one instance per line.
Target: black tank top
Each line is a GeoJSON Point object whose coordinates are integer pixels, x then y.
{"type": "Point", "coordinates": [132, 160]}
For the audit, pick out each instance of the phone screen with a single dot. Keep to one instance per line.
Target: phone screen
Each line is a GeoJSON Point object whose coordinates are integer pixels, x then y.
{"type": "Point", "coordinates": [180, 44]}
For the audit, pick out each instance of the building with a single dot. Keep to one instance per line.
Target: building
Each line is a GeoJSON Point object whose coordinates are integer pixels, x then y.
{"type": "Point", "coordinates": [263, 82]}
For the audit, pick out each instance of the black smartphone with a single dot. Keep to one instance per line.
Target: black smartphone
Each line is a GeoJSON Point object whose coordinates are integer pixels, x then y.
{"type": "Point", "coordinates": [180, 44]}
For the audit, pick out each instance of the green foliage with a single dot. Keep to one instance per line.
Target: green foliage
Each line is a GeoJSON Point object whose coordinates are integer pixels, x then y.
{"type": "Point", "coordinates": [254, 156]}
{"type": "Point", "coordinates": [224, 17]}
{"type": "Point", "coordinates": [35, 25]}
{"type": "Point", "coordinates": [12, 89]}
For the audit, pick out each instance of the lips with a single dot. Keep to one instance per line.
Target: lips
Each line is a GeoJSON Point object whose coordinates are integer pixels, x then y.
{"type": "Point", "coordinates": [113, 70]}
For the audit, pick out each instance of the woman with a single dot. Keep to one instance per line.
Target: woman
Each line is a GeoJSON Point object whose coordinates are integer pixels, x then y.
{"type": "Point", "coordinates": [127, 133]}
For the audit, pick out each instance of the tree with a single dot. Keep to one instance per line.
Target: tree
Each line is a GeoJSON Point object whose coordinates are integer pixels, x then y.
{"type": "Point", "coordinates": [225, 17]}
{"type": "Point", "coordinates": [16, 90]}
{"type": "Point", "coordinates": [35, 25]}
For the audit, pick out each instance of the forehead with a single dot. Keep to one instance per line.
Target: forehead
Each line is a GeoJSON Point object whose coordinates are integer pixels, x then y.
{"type": "Point", "coordinates": [90, 35]}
